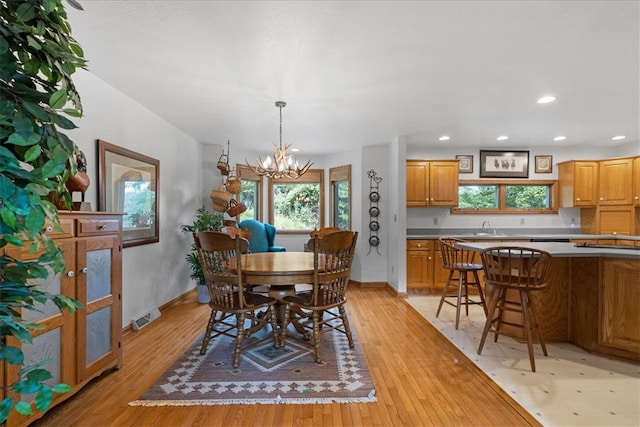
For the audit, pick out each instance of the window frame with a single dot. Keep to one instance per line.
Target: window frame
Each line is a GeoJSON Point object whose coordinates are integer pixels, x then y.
{"type": "Point", "coordinates": [312, 176]}
{"type": "Point", "coordinates": [337, 175]}
{"type": "Point", "coordinates": [244, 173]}
{"type": "Point", "coordinates": [502, 199]}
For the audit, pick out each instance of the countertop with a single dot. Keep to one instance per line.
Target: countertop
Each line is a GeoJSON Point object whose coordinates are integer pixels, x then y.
{"type": "Point", "coordinates": [513, 234]}
{"type": "Point", "coordinates": [564, 250]}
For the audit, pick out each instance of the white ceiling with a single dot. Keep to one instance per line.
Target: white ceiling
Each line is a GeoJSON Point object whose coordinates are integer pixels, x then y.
{"type": "Point", "coordinates": [360, 73]}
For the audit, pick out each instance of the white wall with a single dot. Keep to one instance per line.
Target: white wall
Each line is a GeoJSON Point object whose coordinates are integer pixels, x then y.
{"type": "Point", "coordinates": [152, 274]}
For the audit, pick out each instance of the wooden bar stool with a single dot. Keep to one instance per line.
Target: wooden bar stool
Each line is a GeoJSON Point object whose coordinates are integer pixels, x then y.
{"type": "Point", "coordinates": [524, 270]}
{"type": "Point", "coordinates": [460, 263]}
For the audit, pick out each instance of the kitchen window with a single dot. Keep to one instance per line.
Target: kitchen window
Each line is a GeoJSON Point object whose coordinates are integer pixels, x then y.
{"type": "Point", "coordinates": [502, 196]}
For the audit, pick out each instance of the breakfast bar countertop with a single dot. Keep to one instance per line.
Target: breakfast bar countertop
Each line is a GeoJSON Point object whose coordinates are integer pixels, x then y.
{"type": "Point", "coordinates": [537, 234]}
{"type": "Point", "coordinates": [564, 250]}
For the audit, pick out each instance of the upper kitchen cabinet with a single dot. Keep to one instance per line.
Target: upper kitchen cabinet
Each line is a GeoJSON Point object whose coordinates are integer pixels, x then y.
{"type": "Point", "coordinates": [616, 178]}
{"type": "Point", "coordinates": [636, 181]}
{"type": "Point", "coordinates": [578, 183]}
{"type": "Point", "coordinates": [432, 183]}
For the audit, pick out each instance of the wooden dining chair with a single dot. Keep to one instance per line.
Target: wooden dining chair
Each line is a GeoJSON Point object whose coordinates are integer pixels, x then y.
{"type": "Point", "coordinates": [522, 270]}
{"type": "Point", "coordinates": [462, 269]}
{"type": "Point", "coordinates": [319, 233]}
{"type": "Point", "coordinates": [222, 267]}
{"type": "Point", "coordinates": [315, 309]}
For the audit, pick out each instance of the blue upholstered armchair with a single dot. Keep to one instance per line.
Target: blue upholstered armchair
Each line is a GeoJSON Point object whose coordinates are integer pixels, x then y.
{"type": "Point", "coordinates": [262, 236]}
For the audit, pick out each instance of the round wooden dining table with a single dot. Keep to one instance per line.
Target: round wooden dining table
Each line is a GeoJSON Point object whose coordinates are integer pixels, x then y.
{"type": "Point", "coordinates": [280, 271]}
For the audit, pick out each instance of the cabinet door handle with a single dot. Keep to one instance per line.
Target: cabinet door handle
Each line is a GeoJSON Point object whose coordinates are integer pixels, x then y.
{"type": "Point", "coordinates": [70, 273]}
{"type": "Point", "coordinates": [601, 198]}
{"type": "Point", "coordinates": [577, 199]}
{"type": "Point", "coordinates": [48, 229]}
{"type": "Point", "coordinates": [101, 227]}
{"type": "Point", "coordinates": [85, 270]}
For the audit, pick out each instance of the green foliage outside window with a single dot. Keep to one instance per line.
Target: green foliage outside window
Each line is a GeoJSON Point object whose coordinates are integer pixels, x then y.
{"type": "Point", "coordinates": [341, 197]}
{"type": "Point", "coordinates": [478, 197]}
{"type": "Point", "coordinates": [296, 206]}
{"type": "Point", "coordinates": [516, 197]}
{"type": "Point", "coordinates": [249, 196]}
{"type": "Point", "coordinates": [527, 196]}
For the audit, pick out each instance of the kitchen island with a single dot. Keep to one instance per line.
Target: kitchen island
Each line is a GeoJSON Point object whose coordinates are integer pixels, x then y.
{"type": "Point", "coordinates": [593, 297]}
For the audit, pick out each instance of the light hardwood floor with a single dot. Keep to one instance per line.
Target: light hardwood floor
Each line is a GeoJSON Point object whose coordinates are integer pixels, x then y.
{"type": "Point", "coordinates": [420, 378]}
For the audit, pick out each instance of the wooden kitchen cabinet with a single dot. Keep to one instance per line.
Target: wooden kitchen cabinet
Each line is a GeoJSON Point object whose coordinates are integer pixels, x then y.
{"type": "Point", "coordinates": [621, 220]}
{"type": "Point", "coordinates": [432, 183]}
{"type": "Point", "coordinates": [84, 344]}
{"type": "Point", "coordinates": [578, 183]}
{"type": "Point", "coordinates": [619, 327]}
{"type": "Point", "coordinates": [636, 181]}
{"type": "Point", "coordinates": [615, 182]}
{"type": "Point", "coordinates": [420, 256]}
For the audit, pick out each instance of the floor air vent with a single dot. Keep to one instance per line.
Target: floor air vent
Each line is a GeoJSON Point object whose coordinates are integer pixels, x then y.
{"type": "Point", "coordinates": [144, 320]}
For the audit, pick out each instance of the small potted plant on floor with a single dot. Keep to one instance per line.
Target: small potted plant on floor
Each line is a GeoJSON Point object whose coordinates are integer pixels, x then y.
{"type": "Point", "coordinates": [204, 221]}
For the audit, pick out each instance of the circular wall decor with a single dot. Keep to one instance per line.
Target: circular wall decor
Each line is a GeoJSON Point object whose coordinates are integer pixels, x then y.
{"type": "Point", "coordinates": [374, 211]}
{"type": "Point", "coordinates": [374, 226]}
{"type": "Point", "coordinates": [374, 241]}
{"type": "Point", "coordinates": [374, 196]}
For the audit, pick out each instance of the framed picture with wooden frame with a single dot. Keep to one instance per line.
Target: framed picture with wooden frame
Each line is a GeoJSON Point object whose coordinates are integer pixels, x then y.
{"type": "Point", "coordinates": [544, 164]}
{"type": "Point", "coordinates": [128, 182]}
{"type": "Point", "coordinates": [465, 164]}
{"type": "Point", "coordinates": [504, 164]}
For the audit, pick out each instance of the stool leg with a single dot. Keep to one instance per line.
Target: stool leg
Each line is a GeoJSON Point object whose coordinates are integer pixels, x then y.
{"type": "Point", "coordinates": [527, 328]}
{"type": "Point", "coordinates": [502, 298]}
{"type": "Point", "coordinates": [466, 291]}
{"type": "Point", "coordinates": [444, 294]}
{"type": "Point", "coordinates": [459, 302]}
{"type": "Point", "coordinates": [487, 325]}
{"type": "Point", "coordinates": [479, 286]}
{"type": "Point", "coordinates": [536, 324]}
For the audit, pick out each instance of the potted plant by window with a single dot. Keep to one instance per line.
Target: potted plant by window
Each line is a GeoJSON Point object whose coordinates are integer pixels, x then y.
{"type": "Point", "coordinates": [204, 221]}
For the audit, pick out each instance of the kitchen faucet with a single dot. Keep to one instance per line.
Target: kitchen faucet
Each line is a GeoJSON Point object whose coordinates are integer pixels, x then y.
{"type": "Point", "coordinates": [487, 223]}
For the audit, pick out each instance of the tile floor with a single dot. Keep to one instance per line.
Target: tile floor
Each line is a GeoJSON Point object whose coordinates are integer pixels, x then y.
{"type": "Point", "coordinates": [569, 388]}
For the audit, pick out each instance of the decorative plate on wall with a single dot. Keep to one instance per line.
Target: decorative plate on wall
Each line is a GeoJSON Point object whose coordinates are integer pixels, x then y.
{"type": "Point", "coordinates": [374, 211]}
{"type": "Point", "coordinates": [374, 196]}
{"type": "Point", "coordinates": [374, 226]}
{"type": "Point", "coordinates": [374, 241]}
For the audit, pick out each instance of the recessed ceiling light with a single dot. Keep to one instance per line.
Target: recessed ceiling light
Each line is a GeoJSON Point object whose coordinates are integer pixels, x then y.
{"type": "Point", "coordinates": [546, 99]}
{"type": "Point", "coordinates": [560, 138]}
{"type": "Point", "coordinates": [502, 138]}
{"type": "Point", "coordinates": [618, 137]}
{"type": "Point", "coordinates": [444, 138]}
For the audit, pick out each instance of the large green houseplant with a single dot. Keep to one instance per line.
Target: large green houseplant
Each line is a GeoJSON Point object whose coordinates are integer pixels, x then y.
{"type": "Point", "coordinates": [204, 221]}
{"type": "Point", "coordinates": [37, 97]}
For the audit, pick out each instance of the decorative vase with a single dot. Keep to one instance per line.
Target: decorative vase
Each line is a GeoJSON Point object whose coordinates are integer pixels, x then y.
{"type": "Point", "coordinates": [203, 294]}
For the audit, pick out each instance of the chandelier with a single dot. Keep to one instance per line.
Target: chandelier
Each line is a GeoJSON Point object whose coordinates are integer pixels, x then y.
{"type": "Point", "coordinates": [282, 165]}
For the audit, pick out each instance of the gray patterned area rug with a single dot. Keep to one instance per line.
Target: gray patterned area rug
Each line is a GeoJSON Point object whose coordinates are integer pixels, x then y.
{"type": "Point", "coordinates": [266, 375]}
